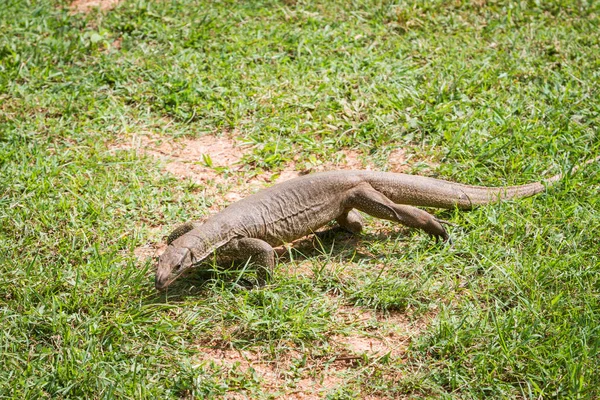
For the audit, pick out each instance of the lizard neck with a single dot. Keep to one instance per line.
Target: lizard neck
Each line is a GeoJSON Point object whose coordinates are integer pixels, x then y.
{"type": "Point", "coordinates": [205, 239]}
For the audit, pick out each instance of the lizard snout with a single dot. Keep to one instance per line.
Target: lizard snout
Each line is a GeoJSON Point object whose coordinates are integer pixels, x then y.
{"type": "Point", "coordinates": [162, 280]}
{"type": "Point", "coordinates": [170, 265]}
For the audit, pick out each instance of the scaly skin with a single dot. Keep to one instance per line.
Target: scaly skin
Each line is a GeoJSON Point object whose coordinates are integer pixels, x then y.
{"type": "Point", "coordinates": [249, 228]}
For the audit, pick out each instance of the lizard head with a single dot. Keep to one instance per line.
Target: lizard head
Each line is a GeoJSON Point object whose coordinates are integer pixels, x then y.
{"type": "Point", "coordinates": [171, 264]}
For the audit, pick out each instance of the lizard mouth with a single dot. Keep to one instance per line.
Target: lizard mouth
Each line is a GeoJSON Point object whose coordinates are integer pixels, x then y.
{"type": "Point", "coordinates": [162, 281]}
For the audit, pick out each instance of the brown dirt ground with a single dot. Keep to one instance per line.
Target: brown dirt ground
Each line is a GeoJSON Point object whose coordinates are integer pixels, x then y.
{"type": "Point", "coordinates": [321, 375]}
{"type": "Point", "coordinates": [85, 6]}
{"type": "Point", "coordinates": [187, 158]}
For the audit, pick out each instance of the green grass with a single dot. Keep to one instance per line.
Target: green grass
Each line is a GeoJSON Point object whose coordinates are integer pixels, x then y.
{"type": "Point", "coordinates": [496, 94]}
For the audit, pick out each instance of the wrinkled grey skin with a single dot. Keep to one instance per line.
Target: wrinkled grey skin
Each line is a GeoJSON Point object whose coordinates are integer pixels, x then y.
{"type": "Point", "coordinates": [285, 212]}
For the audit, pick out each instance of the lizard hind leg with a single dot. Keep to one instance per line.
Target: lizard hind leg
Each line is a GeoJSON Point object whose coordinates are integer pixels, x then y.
{"type": "Point", "coordinates": [374, 203]}
{"type": "Point", "coordinates": [351, 220]}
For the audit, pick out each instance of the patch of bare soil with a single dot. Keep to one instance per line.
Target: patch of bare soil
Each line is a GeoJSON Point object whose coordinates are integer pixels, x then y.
{"type": "Point", "coordinates": [198, 159]}
{"type": "Point", "coordinates": [393, 336]}
{"type": "Point", "coordinates": [201, 159]}
{"type": "Point", "coordinates": [85, 6]}
{"type": "Point", "coordinates": [147, 251]}
{"type": "Point", "coordinates": [351, 160]}
{"type": "Point", "coordinates": [319, 375]}
{"type": "Point", "coordinates": [116, 44]}
{"type": "Point", "coordinates": [307, 383]}
{"type": "Point", "coordinates": [398, 161]}
{"type": "Point", "coordinates": [152, 248]}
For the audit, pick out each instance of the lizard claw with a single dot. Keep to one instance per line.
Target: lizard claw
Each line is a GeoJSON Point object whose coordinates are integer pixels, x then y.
{"type": "Point", "coordinates": [440, 233]}
{"type": "Point", "coordinates": [445, 238]}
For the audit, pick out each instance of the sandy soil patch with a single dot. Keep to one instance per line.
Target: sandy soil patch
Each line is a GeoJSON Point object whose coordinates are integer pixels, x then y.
{"type": "Point", "coordinates": [310, 382]}
{"type": "Point", "coordinates": [149, 250]}
{"type": "Point", "coordinates": [200, 159]}
{"type": "Point", "coordinates": [398, 161]}
{"type": "Point", "coordinates": [85, 6]}
{"type": "Point", "coordinates": [393, 336]}
{"type": "Point", "coordinates": [321, 374]}
{"type": "Point", "coordinates": [351, 160]}
{"type": "Point", "coordinates": [203, 160]}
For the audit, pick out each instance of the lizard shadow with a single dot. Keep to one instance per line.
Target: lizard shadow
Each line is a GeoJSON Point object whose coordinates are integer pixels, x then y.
{"type": "Point", "coordinates": [335, 242]}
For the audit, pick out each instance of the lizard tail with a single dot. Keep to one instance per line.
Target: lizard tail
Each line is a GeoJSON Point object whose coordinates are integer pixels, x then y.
{"type": "Point", "coordinates": [480, 197]}
{"type": "Point", "coordinates": [431, 192]}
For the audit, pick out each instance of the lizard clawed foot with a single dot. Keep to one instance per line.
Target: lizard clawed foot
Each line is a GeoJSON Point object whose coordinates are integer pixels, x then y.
{"type": "Point", "coordinates": [439, 232]}
{"type": "Point", "coordinates": [445, 238]}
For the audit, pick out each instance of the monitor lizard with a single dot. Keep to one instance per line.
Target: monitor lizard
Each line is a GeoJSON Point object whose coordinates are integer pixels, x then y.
{"type": "Point", "coordinates": [248, 229]}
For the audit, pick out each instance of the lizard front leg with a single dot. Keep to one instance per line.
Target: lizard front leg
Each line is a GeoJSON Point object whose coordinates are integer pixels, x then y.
{"type": "Point", "coordinates": [372, 202]}
{"type": "Point", "coordinates": [256, 251]}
